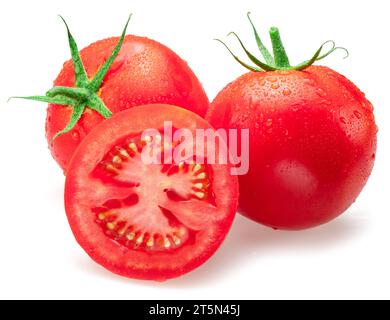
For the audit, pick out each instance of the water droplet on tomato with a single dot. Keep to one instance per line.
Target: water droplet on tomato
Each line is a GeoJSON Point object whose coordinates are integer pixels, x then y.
{"type": "Point", "coordinates": [321, 93]}
{"type": "Point", "coordinates": [272, 79]}
{"type": "Point", "coordinates": [76, 136]}
{"type": "Point", "coordinates": [257, 125]}
{"type": "Point", "coordinates": [286, 92]}
{"type": "Point", "coordinates": [269, 123]}
{"type": "Point", "coordinates": [309, 82]}
{"type": "Point", "coordinates": [357, 114]}
{"type": "Point", "coordinates": [275, 86]}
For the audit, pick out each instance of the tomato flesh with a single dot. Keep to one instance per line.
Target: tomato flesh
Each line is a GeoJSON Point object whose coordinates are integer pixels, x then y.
{"type": "Point", "coordinates": [147, 221]}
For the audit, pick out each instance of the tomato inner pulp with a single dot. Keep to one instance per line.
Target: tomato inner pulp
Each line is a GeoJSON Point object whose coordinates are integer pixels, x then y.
{"type": "Point", "coordinates": [152, 217]}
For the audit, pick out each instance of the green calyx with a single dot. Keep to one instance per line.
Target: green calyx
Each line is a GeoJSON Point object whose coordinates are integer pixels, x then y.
{"type": "Point", "coordinates": [85, 93]}
{"type": "Point", "coordinates": [278, 60]}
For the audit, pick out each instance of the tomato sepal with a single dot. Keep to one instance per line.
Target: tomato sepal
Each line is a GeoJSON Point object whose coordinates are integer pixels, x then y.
{"type": "Point", "coordinates": [85, 93]}
{"type": "Point", "coordinates": [279, 60]}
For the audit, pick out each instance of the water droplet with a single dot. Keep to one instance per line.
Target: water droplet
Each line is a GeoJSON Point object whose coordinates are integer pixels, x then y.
{"type": "Point", "coordinates": [357, 114]}
{"type": "Point", "coordinates": [257, 125]}
{"type": "Point", "coordinates": [275, 86]}
{"type": "Point", "coordinates": [326, 102]}
{"type": "Point", "coordinates": [76, 135]}
{"type": "Point", "coordinates": [321, 93]}
{"type": "Point", "coordinates": [286, 133]}
{"type": "Point", "coordinates": [272, 79]}
{"type": "Point", "coordinates": [343, 120]}
{"type": "Point", "coordinates": [286, 92]}
{"type": "Point", "coordinates": [268, 123]}
{"type": "Point", "coordinates": [309, 82]}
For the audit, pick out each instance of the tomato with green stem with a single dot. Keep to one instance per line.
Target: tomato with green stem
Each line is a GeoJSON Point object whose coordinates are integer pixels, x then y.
{"type": "Point", "coordinates": [312, 137]}
{"type": "Point", "coordinates": [109, 76]}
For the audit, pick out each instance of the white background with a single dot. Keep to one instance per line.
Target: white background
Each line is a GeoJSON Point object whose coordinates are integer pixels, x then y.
{"type": "Point", "coordinates": [39, 258]}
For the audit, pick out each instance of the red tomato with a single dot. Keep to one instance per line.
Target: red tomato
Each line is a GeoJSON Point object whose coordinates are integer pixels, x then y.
{"type": "Point", "coordinates": [312, 144]}
{"type": "Point", "coordinates": [312, 137]}
{"type": "Point", "coordinates": [109, 76]}
{"type": "Point", "coordinates": [144, 72]}
{"type": "Point", "coordinates": [145, 221]}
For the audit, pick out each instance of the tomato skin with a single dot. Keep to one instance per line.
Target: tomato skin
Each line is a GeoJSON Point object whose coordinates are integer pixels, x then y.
{"type": "Point", "coordinates": [79, 189]}
{"type": "Point", "coordinates": [312, 144]}
{"type": "Point", "coordinates": [144, 72]}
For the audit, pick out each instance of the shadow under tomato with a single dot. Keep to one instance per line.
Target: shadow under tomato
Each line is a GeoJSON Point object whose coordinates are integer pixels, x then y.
{"type": "Point", "coordinates": [247, 241]}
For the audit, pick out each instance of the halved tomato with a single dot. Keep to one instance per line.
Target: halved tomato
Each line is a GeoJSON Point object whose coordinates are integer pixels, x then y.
{"type": "Point", "coordinates": [148, 221]}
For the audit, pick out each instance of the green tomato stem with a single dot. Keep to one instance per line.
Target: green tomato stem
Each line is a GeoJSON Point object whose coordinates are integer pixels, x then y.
{"type": "Point", "coordinates": [279, 60]}
{"type": "Point", "coordinates": [84, 94]}
{"type": "Point", "coordinates": [280, 55]}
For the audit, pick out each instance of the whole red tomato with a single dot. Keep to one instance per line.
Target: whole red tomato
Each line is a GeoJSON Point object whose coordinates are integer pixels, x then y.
{"type": "Point", "coordinates": [112, 75]}
{"type": "Point", "coordinates": [312, 139]}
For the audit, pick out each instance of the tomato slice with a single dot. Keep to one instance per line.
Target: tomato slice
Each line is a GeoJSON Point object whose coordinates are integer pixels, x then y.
{"type": "Point", "coordinates": [147, 221]}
